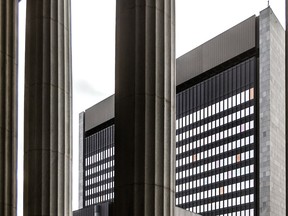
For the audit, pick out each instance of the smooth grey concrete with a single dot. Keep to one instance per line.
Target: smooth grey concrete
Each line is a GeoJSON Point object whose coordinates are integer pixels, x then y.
{"type": "Point", "coordinates": [145, 108]}
{"type": "Point", "coordinates": [8, 105]}
{"type": "Point", "coordinates": [272, 115]}
{"type": "Point", "coordinates": [100, 113]}
{"type": "Point", "coordinates": [48, 106]}
{"type": "Point", "coordinates": [183, 212]}
{"type": "Point", "coordinates": [224, 47]}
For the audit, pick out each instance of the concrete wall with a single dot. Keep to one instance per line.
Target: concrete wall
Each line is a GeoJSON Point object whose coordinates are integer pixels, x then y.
{"type": "Point", "coordinates": [272, 115]}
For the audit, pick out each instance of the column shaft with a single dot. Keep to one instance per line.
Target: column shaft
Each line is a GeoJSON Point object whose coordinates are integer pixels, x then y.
{"type": "Point", "coordinates": [145, 108]}
{"type": "Point", "coordinates": [48, 100]}
{"type": "Point", "coordinates": [8, 105]}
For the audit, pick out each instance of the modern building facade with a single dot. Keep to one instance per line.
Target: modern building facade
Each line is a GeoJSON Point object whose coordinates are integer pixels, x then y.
{"type": "Point", "coordinates": [215, 143]}
{"type": "Point", "coordinates": [97, 152]}
{"type": "Point", "coordinates": [230, 126]}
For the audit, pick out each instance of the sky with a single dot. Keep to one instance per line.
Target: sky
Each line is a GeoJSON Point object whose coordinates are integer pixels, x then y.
{"type": "Point", "coordinates": [93, 52]}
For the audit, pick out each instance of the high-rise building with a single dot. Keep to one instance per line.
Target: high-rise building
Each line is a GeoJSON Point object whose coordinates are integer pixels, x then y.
{"type": "Point", "coordinates": [230, 126]}
{"type": "Point", "coordinates": [97, 154]}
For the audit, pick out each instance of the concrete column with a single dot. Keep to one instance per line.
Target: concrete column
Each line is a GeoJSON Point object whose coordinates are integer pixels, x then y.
{"type": "Point", "coordinates": [47, 118]}
{"type": "Point", "coordinates": [8, 105]}
{"type": "Point", "coordinates": [145, 108]}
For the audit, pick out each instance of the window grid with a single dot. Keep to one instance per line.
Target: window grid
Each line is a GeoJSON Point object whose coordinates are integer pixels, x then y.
{"type": "Point", "coordinates": [215, 143]}
{"type": "Point", "coordinates": [99, 166]}
{"type": "Point", "coordinates": [215, 165]}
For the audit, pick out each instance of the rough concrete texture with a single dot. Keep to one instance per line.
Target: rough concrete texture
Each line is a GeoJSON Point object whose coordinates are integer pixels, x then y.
{"type": "Point", "coordinates": [8, 105]}
{"type": "Point", "coordinates": [145, 108]}
{"type": "Point", "coordinates": [272, 115]}
{"type": "Point", "coordinates": [48, 105]}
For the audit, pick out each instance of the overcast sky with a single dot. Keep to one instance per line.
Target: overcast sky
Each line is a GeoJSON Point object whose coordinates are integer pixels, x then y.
{"type": "Point", "coordinates": [93, 46]}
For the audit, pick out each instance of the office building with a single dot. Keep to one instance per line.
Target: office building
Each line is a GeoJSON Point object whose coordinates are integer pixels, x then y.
{"type": "Point", "coordinates": [230, 126]}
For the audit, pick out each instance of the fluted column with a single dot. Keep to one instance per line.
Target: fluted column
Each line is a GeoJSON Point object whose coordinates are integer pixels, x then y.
{"type": "Point", "coordinates": [8, 105]}
{"type": "Point", "coordinates": [48, 99]}
{"type": "Point", "coordinates": [145, 108]}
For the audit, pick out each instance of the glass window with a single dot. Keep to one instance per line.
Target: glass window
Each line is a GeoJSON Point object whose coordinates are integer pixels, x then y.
{"type": "Point", "coordinates": [217, 107]}
{"type": "Point", "coordinates": [221, 163]}
{"type": "Point", "coordinates": [229, 103]}
{"type": "Point", "coordinates": [221, 204]}
{"type": "Point", "coordinates": [217, 177]}
{"type": "Point", "coordinates": [251, 93]}
{"type": "Point", "coordinates": [221, 190]}
{"type": "Point", "coordinates": [217, 150]}
{"type": "Point", "coordinates": [209, 179]}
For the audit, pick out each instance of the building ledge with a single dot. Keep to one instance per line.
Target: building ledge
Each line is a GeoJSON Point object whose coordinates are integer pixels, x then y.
{"type": "Point", "coordinates": [183, 212]}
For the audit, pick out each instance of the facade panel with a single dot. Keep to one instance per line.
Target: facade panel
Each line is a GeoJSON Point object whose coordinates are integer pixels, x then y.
{"type": "Point", "coordinates": [215, 143]}
{"type": "Point", "coordinates": [99, 165]}
{"type": "Point", "coordinates": [231, 43]}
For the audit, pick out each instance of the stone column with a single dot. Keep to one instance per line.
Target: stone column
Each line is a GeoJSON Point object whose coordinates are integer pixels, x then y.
{"type": "Point", "coordinates": [145, 108]}
{"type": "Point", "coordinates": [8, 105]}
{"type": "Point", "coordinates": [47, 116]}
